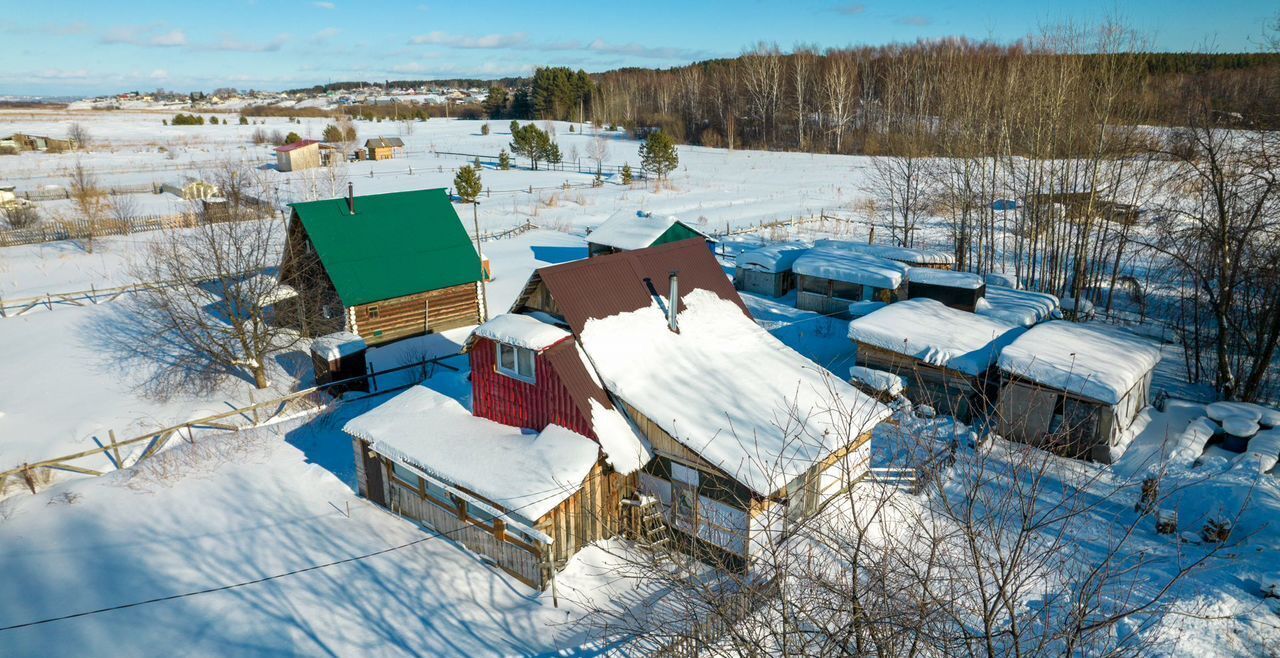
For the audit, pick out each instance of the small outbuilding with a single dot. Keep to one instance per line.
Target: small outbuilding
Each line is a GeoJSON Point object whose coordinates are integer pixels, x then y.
{"type": "Point", "coordinates": [945, 355]}
{"type": "Point", "coordinates": [1074, 388]}
{"type": "Point", "coordinates": [383, 148]}
{"type": "Point", "coordinates": [628, 231]}
{"type": "Point", "coordinates": [302, 154]}
{"type": "Point", "coordinates": [767, 270]}
{"type": "Point", "coordinates": [1020, 307]}
{"type": "Point", "coordinates": [829, 280]}
{"type": "Point", "coordinates": [931, 258]}
{"type": "Point", "coordinates": [959, 290]}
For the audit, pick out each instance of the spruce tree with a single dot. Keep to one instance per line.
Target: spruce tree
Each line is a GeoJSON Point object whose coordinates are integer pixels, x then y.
{"type": "Point", "coordinates": [658, 154]}
{"type": "Point", "coordinates": [467, 183]}
{"type": "Point", "coordinates": [332, 133]}
{"type": "Point", "coordinates": [626, 174]}
{"type": "Point", "coordinates": [553, 153]}
{"type": "Point", "coordinates": [504, 160]}
{"type": "Point", "coordinates": [292, 137]}
{"type": "Point", "coordinates": [244, 121]}
{"type": "Point", "coordinates": [484, 128]}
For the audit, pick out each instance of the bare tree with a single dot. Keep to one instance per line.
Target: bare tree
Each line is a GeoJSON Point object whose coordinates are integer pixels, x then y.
{"type": "Point", "coordinates": [123, 208]}
{"type": "Point", "coordinates": [90, 200]}
{"type": "Point", "coordinates": [20, 215]}
{"type": "Point", "coordinates": [79, 136]}
{"type": "Point", "coordinates": [839, 95]}
{"type": "Point", "coordinates": [598, 150]}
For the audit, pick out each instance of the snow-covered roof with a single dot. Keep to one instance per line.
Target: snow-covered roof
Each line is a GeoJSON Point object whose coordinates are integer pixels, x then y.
{"type": "Point", "coordinates": [522, 330]}
{"type": "Point", "coordinates": [900, 254]}
{"type": "Point", "coordinates": [1024, 307]}
{"type": "Point", "coordinates": [878, 380]}
{"type": "Point", "coordinates": [850, 268]}
{"type": "Point", "coordinates": [932, 277]}
{"type": "Point", "coordinates": [1002, 279]}
{"type": "Point", "coordinates": [632, 230]}
{"type": "Point", "coordinates": [932, 332]}
{"type": "Point", "coordinates": [727, 389]}
{"type": "Point", "coordinates": [1088, 360]}
{"type": "Point", "coordinates": [776, 257]}
{"type": "Point", "coordinates": [526, 473]}
{"type": "Point", "coordinates": [337, 345]}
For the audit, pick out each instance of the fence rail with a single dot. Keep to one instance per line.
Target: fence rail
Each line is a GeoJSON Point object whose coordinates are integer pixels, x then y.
{"type": "Point", "coordinates": [256, 414]}
{"type": "Point", "coordinates": [82, 229]}
{"type": "Point", "coordinates": [65, 193]}
{"type": "Point", "coordinates": [732, 609]}
{"type": "Point", "coordinates": [576, 166]}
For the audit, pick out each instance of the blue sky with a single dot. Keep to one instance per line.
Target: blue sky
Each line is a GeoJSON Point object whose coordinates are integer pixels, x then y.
{"type": "Point", "coordinates": [82, 47]}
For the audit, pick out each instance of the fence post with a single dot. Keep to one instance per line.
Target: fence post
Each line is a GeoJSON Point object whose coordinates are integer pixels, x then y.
{"type": "Point", "coordinates": [115, 450]}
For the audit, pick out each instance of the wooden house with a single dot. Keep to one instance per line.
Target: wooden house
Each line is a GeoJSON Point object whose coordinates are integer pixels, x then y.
{"type": "Point", "coordinates": [383, 148]}
{"type": "Point", "coordinates": [829, 280]}
{"type": "Point", "coordinates": [959, 290]}
{"type": "Point", "coordinates": [930, 258]}
{"type": "Point", "coordinates": [302, 154]}
{"type": "Point", "coordinates": [766, 270]}
{"type": "Point", "coordinates": [945, 355]}
{"type": "Point", "coordinates": [26, 142]}
{"type": "Point", "coordinates": [707, 390]}
{"type": "Point", "coordinates": [382, 266]}
{"type": "Point", "coordinates": [1074, 388]}
{"type": "Point", "coordinates": [628, 231]}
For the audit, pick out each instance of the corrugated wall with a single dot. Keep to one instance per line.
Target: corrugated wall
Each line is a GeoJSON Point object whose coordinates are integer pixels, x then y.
{"type": "Point", "coordinates": [510, 401]}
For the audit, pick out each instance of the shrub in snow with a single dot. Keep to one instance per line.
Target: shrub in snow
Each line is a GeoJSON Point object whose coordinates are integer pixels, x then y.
{"type": "Point", "coordinates": [1216, 530]}
{"type": "Point", "coordinates": [926, 411]}
{"type": "Point", "coordinates": [1166, 522]}
{"type": "Point", "coordinates": [484, 129]}
{"type": "Point", "coordinates": [1147, 499]}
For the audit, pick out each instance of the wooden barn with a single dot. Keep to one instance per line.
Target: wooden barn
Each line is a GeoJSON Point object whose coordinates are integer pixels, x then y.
{"type": "Point", "coordinates": [959, 290]}
{"type": "Point", "coordinates": [766, 270]}
{"type": "Point", "coordinates": [383, 148]}
{"type": "Point", "coordinates": [930, 258]}
{"type": "Point", "coordinates": [945, 355]}
{"type": "Point", "coordinates": [726, 478]}
{"type": "Point", "coordinates": [382, 266]}
{"type": "Point", "coordinates": [302, 154]}
{"type": "Point", "coordinates": [829, 280]}
{"type": "Point", "coordinates": [628, 231]}
{"type": "Point", "coordinates": [1074, 388]}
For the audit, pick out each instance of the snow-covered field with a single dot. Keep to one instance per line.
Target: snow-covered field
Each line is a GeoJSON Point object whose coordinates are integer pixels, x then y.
{"type": "Point", "coordinates": [237, 507]}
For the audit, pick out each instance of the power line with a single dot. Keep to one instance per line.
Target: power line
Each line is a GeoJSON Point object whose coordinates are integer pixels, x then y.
{"type": "Point", "coordinates": [435, 534]}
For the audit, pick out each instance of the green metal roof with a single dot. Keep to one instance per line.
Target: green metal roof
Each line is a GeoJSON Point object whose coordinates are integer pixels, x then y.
{"type": "Point", "coordinates": [396, 244]}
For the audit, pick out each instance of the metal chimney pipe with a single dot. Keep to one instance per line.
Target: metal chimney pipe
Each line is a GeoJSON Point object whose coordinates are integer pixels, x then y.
{"type": "Point", "coordinates": [673, 303]}
{"type": "Point", "coordinates": [351, 198]}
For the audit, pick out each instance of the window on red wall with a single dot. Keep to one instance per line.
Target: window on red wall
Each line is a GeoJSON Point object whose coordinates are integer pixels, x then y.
{"type": "Point", "coordinates": [516, 361]}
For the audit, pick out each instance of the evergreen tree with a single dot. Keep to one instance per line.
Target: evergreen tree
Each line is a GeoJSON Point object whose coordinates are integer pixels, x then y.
{"type": "Point", "coordinates": [514, 126]}
{"type": "Point", "coordinates": [350, 133]}
{"type": "Point", "coordinates": [332, 133]}
{"type": "Point", "coordinates": [504, 160]}
{"type": "Point", "coordinates": [553, 153]}
{"type": "Point", "coordinates": [244, 121]}
{"type": "Point", "coordinates": [292, 137]}
{"type": "Point", "coordinates": [484, 129]}
{"type": "Point", "coordinates": [467, 183]}
{"type": "Point", "coordinates": [496, 102]}
{"type": "Point", "coordinates": [626, 174]}
{"type": "Point", "coordinates": [658, 154]}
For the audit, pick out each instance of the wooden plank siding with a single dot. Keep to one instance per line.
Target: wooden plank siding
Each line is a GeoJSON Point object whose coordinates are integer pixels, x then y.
{"type": "Point", "coordinates": [414, 315]}
{"type": "Point", "coordinates": [591, 514]}
{"type": "Point", "coordinates": [948, 391]}
{"type": "Point", "coordinates": [519, 403]}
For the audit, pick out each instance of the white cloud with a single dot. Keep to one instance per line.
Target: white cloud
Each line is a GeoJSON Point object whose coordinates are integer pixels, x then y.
{"type": "Point", "coordinates": [230, 43]}
{"type": "Point", "coordinates": [325, 34]}
{"type": "Point", "coordinates": [515, 40]}
{"type": "Point", "coordinates": [638, 50]}
{"type": "Point", "coordinates": [159, 74]}
{"type": "Point", "coordinates": [324, 5]}
{"type": "Point", "coordinates": [170, 39]}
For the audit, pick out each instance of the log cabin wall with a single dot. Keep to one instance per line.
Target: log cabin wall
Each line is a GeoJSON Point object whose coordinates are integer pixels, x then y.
{"type": "Point", "coordinates": [413, 315]}
{"type": "Point", "coordinates": [518, 403]}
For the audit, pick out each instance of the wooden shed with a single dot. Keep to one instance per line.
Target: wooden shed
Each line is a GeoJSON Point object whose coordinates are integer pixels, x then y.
{"type": "Point", "coordinates": [959, 290]}
{"type": "Point", "coordinates": [945, 355]}
{"type": "Point", "coordinates": [766, 270]}
{"type": "Point", "coordinates": [628, 231]}
{"type": "Point", "coordinates": [383, 266]}
{"type": "Point", "coordinates": [302, 154]}
{"type": "Point", "coordinates": [1074, 388]}
{"type": "Point", "coordinates": [829, 280]}
{"type": "Point", "coordinates": [915, 257]}
{"type": "Point", "coordinates": [383, 148]}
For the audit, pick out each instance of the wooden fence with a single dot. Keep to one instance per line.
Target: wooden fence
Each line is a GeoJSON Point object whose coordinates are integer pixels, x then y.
{"type": "Point", "coordinates": [732, 608]}
{"type": "Point", "coordinates": [783, 223]}
{"type": "Point", "coordinates": [576, 166]}
{"type": "Point", "coordinates": [65, 193]}
{"type": "Point", "coordinates": [82, 229]}
{"type": "Point", "coordinates": [307, 400]}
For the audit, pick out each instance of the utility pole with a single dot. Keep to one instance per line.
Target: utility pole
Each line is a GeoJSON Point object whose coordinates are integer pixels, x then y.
{"type": "Point", "coordinates": [484, 286]}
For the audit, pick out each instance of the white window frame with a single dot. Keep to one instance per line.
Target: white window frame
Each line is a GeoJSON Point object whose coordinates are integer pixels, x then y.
{"type": "Point", "coordinates": [518, 372]}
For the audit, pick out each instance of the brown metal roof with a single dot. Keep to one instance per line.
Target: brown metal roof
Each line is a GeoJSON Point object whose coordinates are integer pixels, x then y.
{"type": "Point", "coordinates": [618, 283]}
{"type": "Point", "coordinates": [565, 358]}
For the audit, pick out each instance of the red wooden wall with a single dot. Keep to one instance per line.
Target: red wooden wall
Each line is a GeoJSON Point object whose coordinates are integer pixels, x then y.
{"type": "Point", "coordinates": [511, 401]}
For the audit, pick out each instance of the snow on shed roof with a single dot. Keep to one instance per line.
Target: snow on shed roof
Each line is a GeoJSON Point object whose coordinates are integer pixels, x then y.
{"type": "Point", "coordinates": [332, 347]}
{"type": "Point", "coordinates": [633, 230]}
{"type": "Point", "coordinates": [522, 330]}
{"type": "Point", "coordinates": [776, 257]}
{"type": "Point", "coordinates": [525, 473]}
{"type": "Point", "coordinates": [1088, 360]}
{"type": "Point", "coordinates": [1024, 307]}
{"type": "Point", "coordinates": [900, 254]}
{"type": "Point", "coordinates": [827, 263]}
{"type": "Point", "coordinates": [727, 389]}
{"type": "Point", "coordinates": [295, 145]}
{"type": "Point", "coordinates": [932, 277]}
{"type": "Point", "coordinates": [936, 334]}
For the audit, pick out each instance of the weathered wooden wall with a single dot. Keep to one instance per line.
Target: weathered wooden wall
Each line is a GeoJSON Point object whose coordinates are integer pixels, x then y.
{"type": "Point", "coordinates": [414, 315]}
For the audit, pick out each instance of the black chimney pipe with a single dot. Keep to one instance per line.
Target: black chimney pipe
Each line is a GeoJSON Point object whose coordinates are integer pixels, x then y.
{"type": "Point", "coordinates": [351, 199]}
